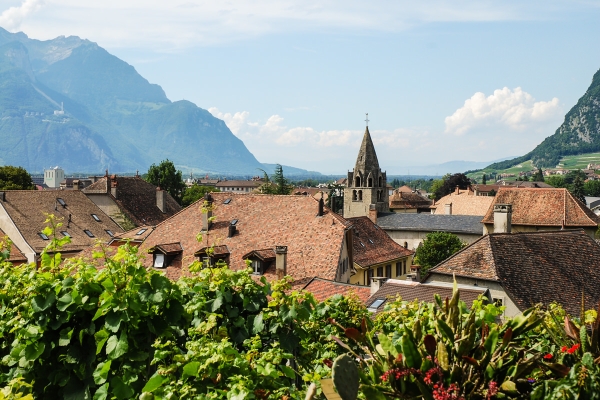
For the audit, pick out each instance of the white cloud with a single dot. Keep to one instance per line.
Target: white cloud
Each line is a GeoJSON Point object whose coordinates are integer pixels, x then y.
{"type": "Point", "coordinates": [173, 25]}
{"type": "Point", "coordinates": [11, 18]}
{"type": "Point", "coordinates": [328, 151]}
{"type": "Point", "coordinates": [513, 110]}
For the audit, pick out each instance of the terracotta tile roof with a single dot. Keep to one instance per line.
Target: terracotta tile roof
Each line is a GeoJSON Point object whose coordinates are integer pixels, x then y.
{"type": "Point", "coordinates": [408, 200]}
{"type": "Point", "coordinates": [169, 248]}
{"type": "Point", "coordinates": [216, 250]}
{"type": "Point", "coordinates": [322, 289]}
{"type": "Point", "coordinates": [404, 189]}
{"type": "Point", "coordinates": [463, 204]}
{"type": "Point", "coordinates": [371, 245]}
{"type": "Point", "coordinates": [264, 255]}
{"type": "Point", "coordinates": [264, 221]}
{"type": "Point", "coordinates": [539, 267]}
{"type": "Point", "coordinates": [136, 198]}
{"type": "Point", "coordinates": [136, 234]}
{"type": "Point", "coordinates": [15, 254]}
{"type": "Point", "coordinates": [543, 207]}
{"type": "Point", "coordinates": [411, 291]}
{"type": "Point", "coordinates": [27, 210]}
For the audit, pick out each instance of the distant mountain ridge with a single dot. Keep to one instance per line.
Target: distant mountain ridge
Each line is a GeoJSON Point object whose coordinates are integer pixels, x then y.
{"type": "Point", "coordinates": [578, 134]}
{"type": "Point", "coordinates": [113, 118]}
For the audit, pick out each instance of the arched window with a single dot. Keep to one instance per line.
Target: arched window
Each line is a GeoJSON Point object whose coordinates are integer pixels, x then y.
{"type": "Point", "coordinates": [370, 182]}
{"type": "Point", "coordinates": [360, 195]}
{"type": "Point", "coordinates": [381, 181]}
{"type": "Point", "coordinates": [357, 181]}
{"type": "Point", "coordinates": [354, 198]}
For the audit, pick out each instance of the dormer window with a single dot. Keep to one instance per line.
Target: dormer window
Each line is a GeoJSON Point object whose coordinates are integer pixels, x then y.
{"type": "Point", "coordinates": [166, 254]}
{"type": "Point", "coordinates": [141, 232]}
{"type": "Point", "coordinates": [260, 260]}
{"type": "Point", "coordinates": [65, 233]}
{"type": "Point", "coordinates": [210, 256]}
{"type": "Point", "coordinates": [43, 236]}
{"type": "Point", "coordinates": [96, 218]}
{"type": "Point", "coordinates": [89, 233]}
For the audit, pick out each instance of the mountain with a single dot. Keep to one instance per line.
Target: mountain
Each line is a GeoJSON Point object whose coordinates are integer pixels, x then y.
{"type": "Point", "coordinates": [578, 134]}
{"type": "Point", "coordinates": [290, 171]}
{"type": "Point", "coordinates": [113, 117]}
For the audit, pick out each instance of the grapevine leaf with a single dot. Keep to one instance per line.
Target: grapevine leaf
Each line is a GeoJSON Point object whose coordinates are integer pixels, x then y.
{"type": "Point", "coordinates": [101, 372]}
{"type": "Point", "coordinates": [34, 350]}
{"type": "Point", "coordinates": [153, 383]}
{"type": "Point", "coordinates": [120, 389]}
{"type": "Point", "coordinates": [191, 369]}
{"type": "Point", "coordinates": [41, 303]}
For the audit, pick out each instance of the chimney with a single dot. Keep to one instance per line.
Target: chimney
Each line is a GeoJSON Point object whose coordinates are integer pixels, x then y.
{"type": "Point", "coordinates": [207, 212]}
{"type": "Point", "coordinates": [457, 190]}
{"type": "Point", "coordinates": [112, 181]}
{"type": "Point", "coordinates": [502, 218]}
{"type": "Point", "coordinates": [321, 206]}
{"type": "Point", "coordinates": [281, 261]}
{"type": "Point", "coordinates": [232, 230]}
{"type": "Point", "coordinates": [373, 213]}
{"type": "Point", "coordinates": [448, 208]}
{"type": "Point", "coordinates": [376, 283]}
{"type": "Point", "coordinates": [476, 191]}
{"type": "Point", "coordinates": [161, 200]}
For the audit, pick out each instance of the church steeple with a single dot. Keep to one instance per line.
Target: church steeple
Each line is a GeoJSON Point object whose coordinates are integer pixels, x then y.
{"type": "Point", "coordinates": [367, 184]}
{"type": "Point", "coordinates": [367, 158]}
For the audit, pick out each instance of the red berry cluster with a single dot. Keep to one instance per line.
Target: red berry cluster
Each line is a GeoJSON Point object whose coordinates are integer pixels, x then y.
{"type": "Point", "coordinates": [570, 350]}
{"type": "Point", "coordinates": [450, 393]}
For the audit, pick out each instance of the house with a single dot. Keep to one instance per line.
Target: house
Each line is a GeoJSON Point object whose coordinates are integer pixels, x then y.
{"type": "Point", "coordinates": [409, 229]}
{"type": "Point", "coordinates": [275, 235]}
{"type": "Point", "coordinates": [376, 254]}
{"type": "Point", "coordinates": [16, 257]}
{"type": "Point", "coordinates": [401, 201]}
{"type": "Point", "coordinates": [53, 177]}
{"type": "Point", "coordinates": [409, 290]}
{"type": "Point", "coordinates": [238, 186]}
{"type": "Point", "coordinates": [23, 214]}
{"type": "Point", "coordinates": [75, 183]}
{"type": "Point", "coordinates": [322, 289]}
{"type": "Point", "coordinates": [462, 202]}
{"type": "Point", "coordinates": [131, 201]}
{"type": "Point", "coordinates": [524, 269]}
{"type": "Point", "coordinates": [367, 184]}
{"type": "Point", "coordinates": [532, 210]}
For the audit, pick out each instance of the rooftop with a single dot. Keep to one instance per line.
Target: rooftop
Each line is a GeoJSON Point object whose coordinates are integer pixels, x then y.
{"type": "Point", "coordinates": [543, 207]}
{"type": "Point", "coordinates": [463, 203]}
{"type": "Point", "coordinates": [538, 267]}
{"type": "Point", "coordinates": [322, 289]}
{"type": "Point", "coordinates": [411, 291]}
{"type": "Point", "coordinates": [15, 254]}
{"type": "Point", "coordinates": [423, 222]}
{"type": "Point", "coordinates": [371, 245]}
{"type": "Point", "coordinates": [28, 209]}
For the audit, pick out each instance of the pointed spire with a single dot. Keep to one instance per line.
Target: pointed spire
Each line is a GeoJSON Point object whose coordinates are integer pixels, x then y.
{"type": "Point", "coordinates": [367, 158]}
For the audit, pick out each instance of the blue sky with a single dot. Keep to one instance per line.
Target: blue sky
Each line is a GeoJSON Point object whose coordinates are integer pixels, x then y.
{"type": "Point", "coordinates": [441, 81]}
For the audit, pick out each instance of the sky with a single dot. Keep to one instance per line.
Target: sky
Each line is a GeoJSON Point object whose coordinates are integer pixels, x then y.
{"type": "Point", "coordinates": [441, 80]}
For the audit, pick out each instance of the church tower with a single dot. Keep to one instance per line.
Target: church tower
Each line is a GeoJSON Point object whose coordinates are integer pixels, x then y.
{"type": "Point", "coordinates": [367, 184]}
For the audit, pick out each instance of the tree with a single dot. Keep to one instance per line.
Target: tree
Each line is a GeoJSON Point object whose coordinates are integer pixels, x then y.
{"type": "Point", "coordinates": [556, 181]}
{"type": "Point", "coordinates": [450, 182]}
{"type": "Point", "coordinates": [167, 178]}
{"type": "Point", "coordinates": [483, 179]}
{"type": "Point", "coordinates": [15, 178]}
{"type": "Point", "coordinates": [195, 193]}
{"type": "Point", "coordinates": [538, 176]}
{"type": "Point", "coordinates": [577, 190]}
{"type": "Point", "coordinates": [592, 188]}
{"type": "Point", "coordinates": [436, 247]}
{"type": "Point", "coordinates": [335, 199]}
{"type": "Point", "coordinates": [277, 184]}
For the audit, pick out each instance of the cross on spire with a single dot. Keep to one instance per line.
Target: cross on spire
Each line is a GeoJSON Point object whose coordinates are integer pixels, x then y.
{"type": "Point", "coordinates": [367, 120]}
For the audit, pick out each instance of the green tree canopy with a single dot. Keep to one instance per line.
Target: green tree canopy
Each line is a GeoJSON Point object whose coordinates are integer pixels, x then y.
{"type": "Point", "coordinates": [277, 183]}
{"type": "Point", "coordinates": [577, 190]}
{"type": "Point", "coordinates": [556, 181]}
{"type": "Point", "coordinates": [538, 176]}
{"type": "Point", "coordinates": [592, 188]}
{"type": "Point", "coordinates": [15, 178]}
{"type": "Point", "coordinates": [168, 178]}
{"type": "Point", "coordinates": [436, 247]}
{"type": "Point", "coordinates": [195, 193]}
{"type": "Point", "coordinates": [450, 182]}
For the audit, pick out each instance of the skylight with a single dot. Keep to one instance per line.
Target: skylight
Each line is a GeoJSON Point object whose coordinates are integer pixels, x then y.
{"type": "Point", "coordinates": [233, 222]}
{"type": "Point", "coordinates": [141, 231]}
{"type": "Point", "coordinates": [370, 241]}
{"type": "Point", "coordinates": [96, 217]}
{"type": "Point", "coordinates": [65, 233]}
{"type": "Point", "coordinates": [362, 244]}
{"type": "Point", "coordinates": [227, 201]}
{"type": "Point", "coordinates": [43, 236]}
{"type": "Point", "coordinates": [90, 234]}
{"type": "Point", "coordinates": [376, 304]}
{"type": "Point", "coordinates": [110, 233]}
{"type": "Point", "coordinates": [61, 202]}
